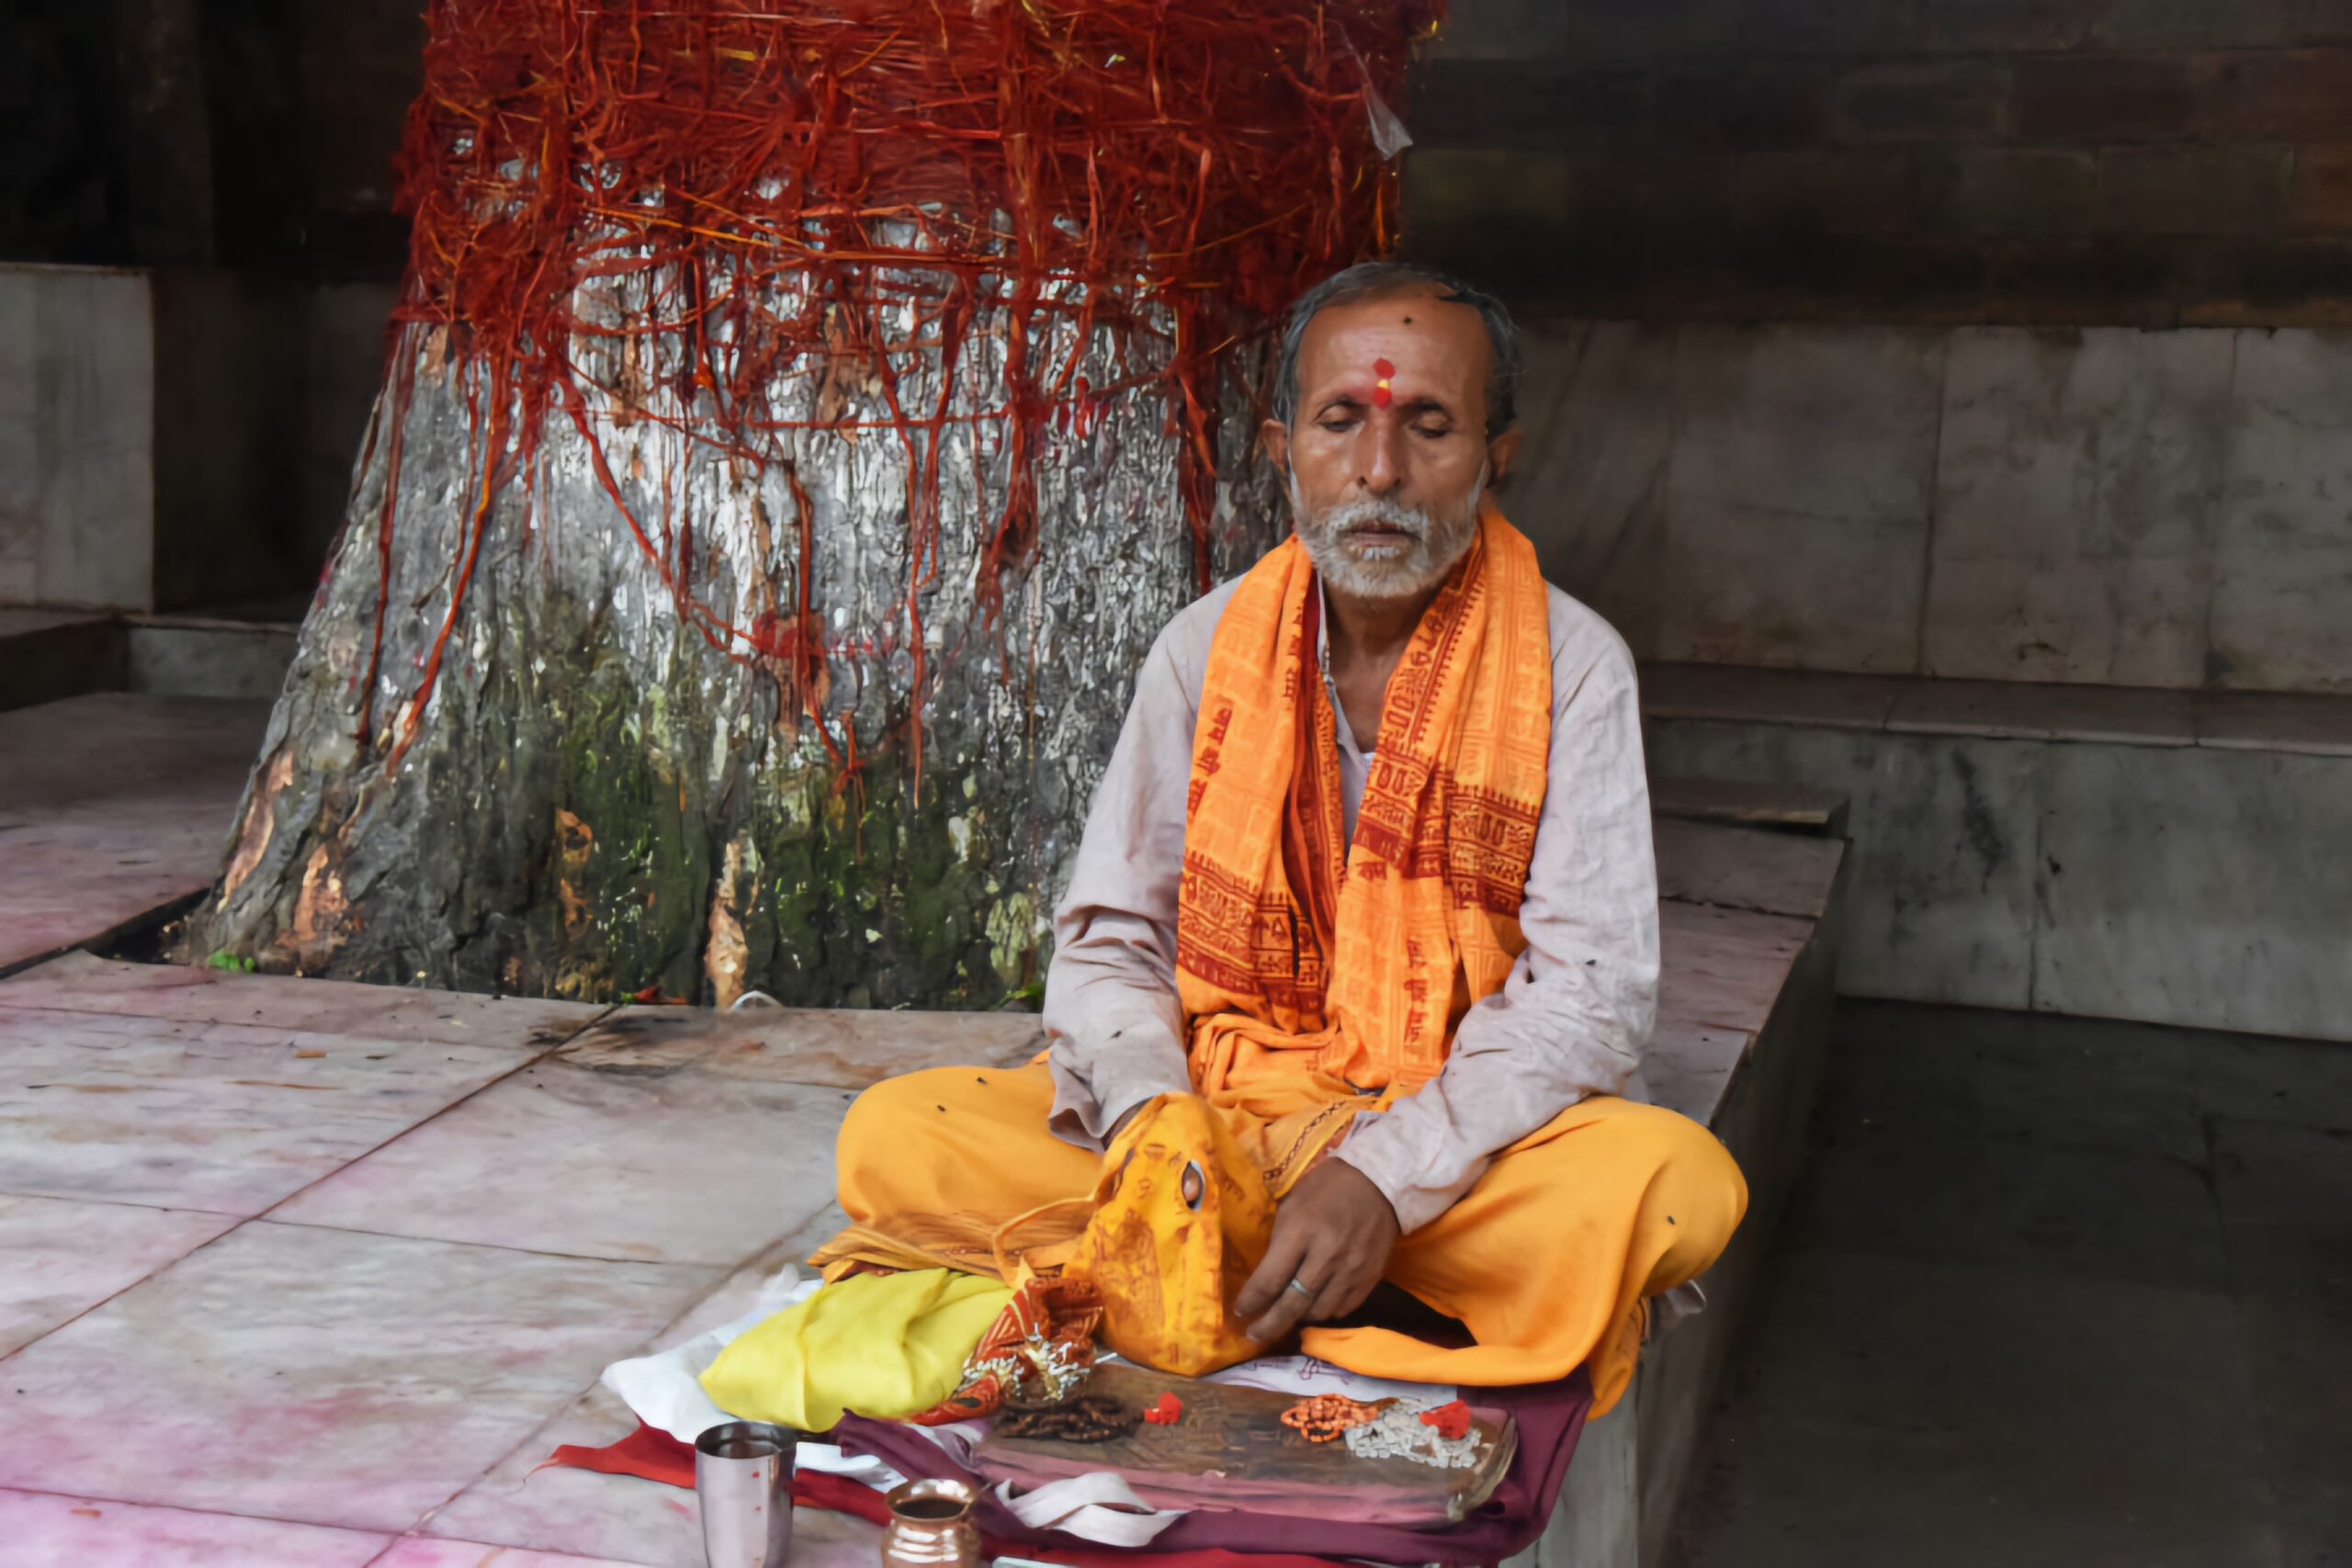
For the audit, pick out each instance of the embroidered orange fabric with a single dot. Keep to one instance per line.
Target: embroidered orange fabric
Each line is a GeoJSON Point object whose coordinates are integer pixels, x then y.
{"type": "Point", "coordinates": [1046, 1329]}
{"type": "Point", "coordinates": [1313, 972]}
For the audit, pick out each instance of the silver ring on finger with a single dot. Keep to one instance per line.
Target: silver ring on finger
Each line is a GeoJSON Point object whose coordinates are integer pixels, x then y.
{"type": "Point", "coordinates": [1303, 1290]}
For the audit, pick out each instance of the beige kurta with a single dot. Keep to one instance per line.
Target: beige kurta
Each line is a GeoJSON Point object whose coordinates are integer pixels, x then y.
{"type": "Point", "coordinates": [1569, 1023]}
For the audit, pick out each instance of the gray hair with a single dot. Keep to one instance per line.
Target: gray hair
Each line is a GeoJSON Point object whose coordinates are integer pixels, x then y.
{"type": "Point", "coordinates": [1370, 280]}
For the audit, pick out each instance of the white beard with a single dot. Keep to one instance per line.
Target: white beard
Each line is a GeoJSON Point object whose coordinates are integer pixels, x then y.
{"type": "Point", "coordinates": [1386, 567]}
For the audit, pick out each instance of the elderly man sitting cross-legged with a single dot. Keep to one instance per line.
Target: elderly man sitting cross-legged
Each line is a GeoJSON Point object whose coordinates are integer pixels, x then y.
{"type": "Point", "coordinates": [1364, 929]}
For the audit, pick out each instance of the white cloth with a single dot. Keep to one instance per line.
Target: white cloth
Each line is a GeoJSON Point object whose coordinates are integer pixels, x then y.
{"type": "Point", "coordinates": [664, 1389]}
{"type": "Point", "coordinates": [1099, 1507]}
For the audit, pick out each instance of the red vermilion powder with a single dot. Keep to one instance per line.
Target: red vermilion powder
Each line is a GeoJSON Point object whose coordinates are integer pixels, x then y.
{"type": "Point", "coordinates": [1145, 166]}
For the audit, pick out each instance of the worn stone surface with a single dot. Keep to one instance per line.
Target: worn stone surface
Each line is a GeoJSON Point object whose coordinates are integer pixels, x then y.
{"type": "Point", "coordinates": [2078, 487]}
{"type": "Point", "coordinates": [834, 1047]}
{"type": "Point", "coordinates": [112, 807]}
{"type": "Point", "coordinates": [1768, 696]}
{"type": "Point", "coordinates": [2186, 887]}
{"type": "Point", "coordinates": [223, 1117]}
{"type": "Point", "coordinates": [77, 982]}
{"type": "Point", "coordinates": [1590, 486]}
{"type": "Point", "coordinates": [1942, 865]}
{"type": "Point", "coordinates": [656, 1169]}
{"type": "Point", "coordinates": [2275, 721]}
{"type": "Point", "coordinates": [2283, 558]}
{"type": "Point", "coordinates": [1799, 496]}
{"type": "Point", "coordinates": [65, 1257]}
{"type": "Point", "coordinates": [2033, 1212]}
{"type": "Point", "coordinates": [76, 437]}
{"type": "Point", "coordinates": [44, 1530]}
{"type": "Point", "coordinates": [391, 1371]}
{"type": "Point", "coordinates": [2014, 710]}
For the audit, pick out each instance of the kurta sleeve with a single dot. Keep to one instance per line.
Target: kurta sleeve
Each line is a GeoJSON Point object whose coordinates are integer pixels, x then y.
{"type": "Point", "coordinates": [1571, 1020]}
{"type": "Point", "coordinates": [1115, 1027]}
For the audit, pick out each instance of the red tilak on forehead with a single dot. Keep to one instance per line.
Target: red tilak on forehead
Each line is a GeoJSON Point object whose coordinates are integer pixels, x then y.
{"type": "Point", "coordinates": [1381, 396]}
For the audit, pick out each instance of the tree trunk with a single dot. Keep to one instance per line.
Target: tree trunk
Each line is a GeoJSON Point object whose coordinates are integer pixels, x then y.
{"type": "Point", "coordinates": [580, 795]}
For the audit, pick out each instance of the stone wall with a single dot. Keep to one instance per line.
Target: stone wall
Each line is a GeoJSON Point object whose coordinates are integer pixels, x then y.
{"type": "Point", "coordinates": [2106, 505]}
{"type": "Point", "coordinates": [2146, 163]}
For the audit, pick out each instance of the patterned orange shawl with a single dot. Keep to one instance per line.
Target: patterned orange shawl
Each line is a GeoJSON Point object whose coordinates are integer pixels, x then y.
{"type": "Point", "coordinates": [1320, 981]}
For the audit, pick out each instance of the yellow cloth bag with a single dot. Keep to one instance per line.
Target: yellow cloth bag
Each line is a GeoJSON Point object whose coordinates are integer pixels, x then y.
{"type": "Point", "coordinates": [879, 1345]}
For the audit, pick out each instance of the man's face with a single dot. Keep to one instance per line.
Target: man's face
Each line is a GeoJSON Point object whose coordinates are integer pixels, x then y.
{"type": "Point", "coordinates": [1388, 453]}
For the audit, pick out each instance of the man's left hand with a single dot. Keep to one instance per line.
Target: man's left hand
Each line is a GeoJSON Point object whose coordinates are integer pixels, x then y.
{"type": "Point", "coordinates": [1333, 1236]}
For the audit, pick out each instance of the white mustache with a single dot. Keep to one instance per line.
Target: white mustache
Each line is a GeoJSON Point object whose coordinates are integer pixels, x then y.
{"type": "Point", "coordinates": [1365, 511]}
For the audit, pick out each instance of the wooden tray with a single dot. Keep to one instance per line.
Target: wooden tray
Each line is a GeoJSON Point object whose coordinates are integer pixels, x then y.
{"type": "Point", "coordinates": [1231, 1451]}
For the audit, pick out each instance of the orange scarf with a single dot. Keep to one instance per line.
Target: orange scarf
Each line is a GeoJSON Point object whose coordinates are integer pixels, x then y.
{"type": "Point", "coordinates": [1320, 980]}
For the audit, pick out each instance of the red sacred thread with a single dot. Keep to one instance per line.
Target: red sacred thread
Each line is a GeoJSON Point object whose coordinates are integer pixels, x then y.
{"type": "Point", "coordinates": [787, 179]}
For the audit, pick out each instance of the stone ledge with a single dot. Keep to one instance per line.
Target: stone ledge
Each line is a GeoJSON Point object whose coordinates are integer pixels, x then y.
{"type": "Point", "coordinates": [2310, 723]}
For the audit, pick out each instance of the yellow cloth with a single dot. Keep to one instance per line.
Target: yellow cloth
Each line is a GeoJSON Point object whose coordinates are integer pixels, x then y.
{"type": "Point", "coordinates": [1180, 1220]}
{"type": "Point", "coordinates": [1546, 1259]}
{"type": "Point", "coordinates": [885, 1346]}
{"type": "Point", "coordinates": [1321, 982]}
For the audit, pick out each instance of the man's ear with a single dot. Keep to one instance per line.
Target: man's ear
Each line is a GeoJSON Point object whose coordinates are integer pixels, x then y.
{"type": "Point", "coordinates": [1501, 452]}
{"type": "Point", "coordinates": [1274, 437]}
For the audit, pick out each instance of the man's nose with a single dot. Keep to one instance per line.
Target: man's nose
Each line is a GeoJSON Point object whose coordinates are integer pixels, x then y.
{"type": "Point", "coordinates": [1381, 466]}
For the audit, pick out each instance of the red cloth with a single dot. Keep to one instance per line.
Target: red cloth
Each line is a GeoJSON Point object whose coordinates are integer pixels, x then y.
{"type": "Point", "coordinates": [657, 1455]}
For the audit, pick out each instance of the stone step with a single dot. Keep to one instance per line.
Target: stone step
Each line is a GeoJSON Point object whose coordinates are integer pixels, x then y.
{"type": "Point", "coordinates": [47, 656]}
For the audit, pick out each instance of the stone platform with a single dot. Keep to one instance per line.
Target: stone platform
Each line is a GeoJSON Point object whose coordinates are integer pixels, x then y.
{"type": "Point", "coordinates": [309, 1272]}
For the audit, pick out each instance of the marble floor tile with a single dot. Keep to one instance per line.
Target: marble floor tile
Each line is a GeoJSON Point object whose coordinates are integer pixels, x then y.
{"type": "Point", "coordinates": [1901, 1412]}
{"type": "Point", "coordinates": [1747, 868]}
{"type": "Point", "coordinates": [574, 1510]}
{"type": "Point", "coordinates": [2307, 1082]}
{"type": "Point", "coordinates": [840, 1047]}
{"type": "Point", "coordinates": [417, 1551]}
{"type": "Point", "coordinates": [41, 1530]}
{"type": "Point", "coordinates": [113, 805]}
{"type": "Point", "coordinates": [207, 1115]}
{"type": "Point", "coordinates": [1967, 1198]}
{"type": "Point", "coordinates": [623, 1517]}
{"type": "Point", "coordinates": [79, 982]}
{"type": "Point", "coordinates": [64, 1258]}
{"type": "Point", "coordinates": [562, 1508]}
{"type": "Point", "coordinates": [2015, 710]}
{"type": "Point", "coordinates": [321, 1375]}
{"type": "Point", "coordinates": [2066, 1083]}
{"type": "Point", "coordinates": [688, 1168]}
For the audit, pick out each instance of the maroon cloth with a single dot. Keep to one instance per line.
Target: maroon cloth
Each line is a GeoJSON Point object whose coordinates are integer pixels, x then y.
{"type": "Point", "coordinates": [1550, 1418]}
{"type": "Point", "coordinates": [657, 1455]}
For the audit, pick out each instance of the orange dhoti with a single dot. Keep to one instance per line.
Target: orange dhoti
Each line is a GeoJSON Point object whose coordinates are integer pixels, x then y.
{"type": "Point", "coordinates": [1546, 1260]}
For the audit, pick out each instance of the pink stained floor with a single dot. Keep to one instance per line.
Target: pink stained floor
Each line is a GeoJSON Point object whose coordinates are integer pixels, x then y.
{"type": "Point", "coordinates": [279, 1290]}
{"type": "Point", "coordinates": [304, 1272]}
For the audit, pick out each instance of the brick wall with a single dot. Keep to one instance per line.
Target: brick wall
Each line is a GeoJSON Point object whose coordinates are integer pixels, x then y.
{"type": "Point", "coordinates": [2081, 162]}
